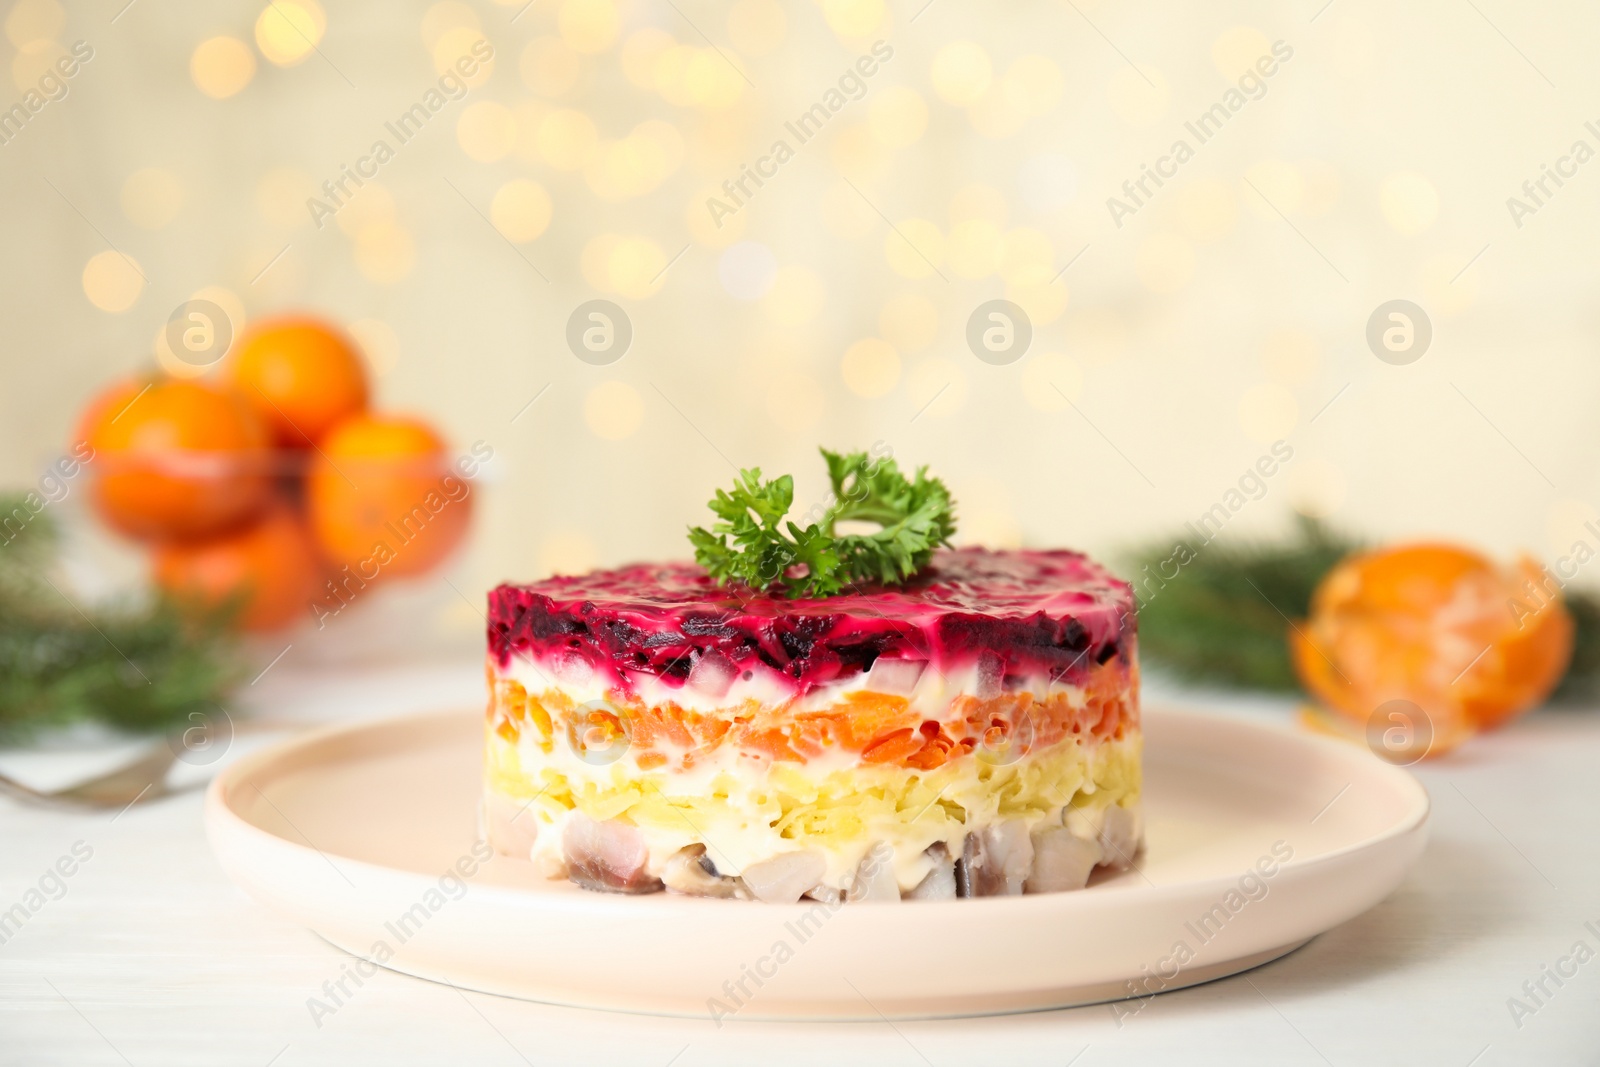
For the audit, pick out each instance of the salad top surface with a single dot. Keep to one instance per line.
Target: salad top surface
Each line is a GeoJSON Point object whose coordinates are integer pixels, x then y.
{"type": "Point", "coordinates": [1055, 611]}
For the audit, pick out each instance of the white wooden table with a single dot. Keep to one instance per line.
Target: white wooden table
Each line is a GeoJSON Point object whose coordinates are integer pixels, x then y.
{"type": "Point", "coordinates": [150, 956]}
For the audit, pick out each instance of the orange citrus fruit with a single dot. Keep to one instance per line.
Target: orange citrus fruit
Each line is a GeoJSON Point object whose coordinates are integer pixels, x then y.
{"type": "Point", "coordinates": [383, 497]}
{"type": "Point", "coordinates": [269, 567]}
{"type": "Point", "coordinates": [175, 458]}
{"type": "Point", "coordinates": [1432, 638]}
{"type": "Point", "coordinates": [301, 374]}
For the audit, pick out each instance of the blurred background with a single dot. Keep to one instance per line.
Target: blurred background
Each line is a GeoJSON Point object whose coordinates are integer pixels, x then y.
{"type": "Point", "coordinates": [1171, 344]}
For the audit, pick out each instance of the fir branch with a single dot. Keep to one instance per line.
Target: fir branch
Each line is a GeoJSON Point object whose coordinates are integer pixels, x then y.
{"type": "Point", "coordinates": [1223, 616]}
{"type": "Point", "coordinates": [135, 666]}
{"type": "Point", "coordinates": [1582, 681]}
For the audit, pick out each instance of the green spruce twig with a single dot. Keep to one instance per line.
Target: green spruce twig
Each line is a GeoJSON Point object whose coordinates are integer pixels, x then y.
{"type": "Point", "coordinates": [136, 666]}
{"type": "Point", "coordinates": [1582, 681]}
{"type": "Point", "coordinates": [1218, 613]}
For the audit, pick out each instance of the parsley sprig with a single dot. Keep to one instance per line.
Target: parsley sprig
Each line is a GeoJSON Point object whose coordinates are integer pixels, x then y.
{"type": "Point", "coordinates": [753, 544]}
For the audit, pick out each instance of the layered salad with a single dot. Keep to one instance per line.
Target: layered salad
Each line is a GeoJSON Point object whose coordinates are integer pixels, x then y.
{"type": "Point", "coordinates": [967, 729]}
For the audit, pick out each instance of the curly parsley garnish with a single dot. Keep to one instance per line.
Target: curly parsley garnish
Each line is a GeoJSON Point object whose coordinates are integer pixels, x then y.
{"type": "Point", "coordinates": [752, 543]}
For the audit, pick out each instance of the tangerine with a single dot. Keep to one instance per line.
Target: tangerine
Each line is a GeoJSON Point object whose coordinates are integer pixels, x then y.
{"type": "Point", "coordinates": [1441, 629]}
{"type": "Point", "coordinates": [301, 374]}
{"type": "Point", "coordinates": [270, 567]}
{"type": "Point", "coordinates": [382, 496]}
{"type": "Point", "coordinates": [175, 458]}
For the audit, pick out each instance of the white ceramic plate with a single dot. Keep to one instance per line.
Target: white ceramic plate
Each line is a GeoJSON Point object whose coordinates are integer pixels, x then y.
{"type": "Point", "coordinates": [1258, 838]}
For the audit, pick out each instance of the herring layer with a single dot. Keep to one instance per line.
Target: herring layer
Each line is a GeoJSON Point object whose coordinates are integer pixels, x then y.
{"type": "Point", "coordinates": [837, 814]}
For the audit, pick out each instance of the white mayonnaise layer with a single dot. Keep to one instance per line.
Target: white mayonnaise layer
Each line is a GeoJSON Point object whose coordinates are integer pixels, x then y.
{"type": "Point", "coordinates": [929, 689]}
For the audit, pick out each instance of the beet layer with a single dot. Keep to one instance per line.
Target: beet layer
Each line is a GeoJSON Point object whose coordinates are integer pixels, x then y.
{"type": "Point", "coordinates": [1014, 613]}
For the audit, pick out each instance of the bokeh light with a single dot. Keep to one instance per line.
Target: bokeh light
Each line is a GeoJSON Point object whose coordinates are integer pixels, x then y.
{"type": "Point", "coordinates": [521, 210]}
{"type": "Point", "coordinates": [33, 61]}
{"type": "Point", "coordinates": [631, 266]}
{"type": "Point", "coordinates": [566, 137]}
{"type": "Point", "coordinates": [221, 66]}
{"type": "Point", "coordinates": [638, 163]}
{"type": "Point", "coordinates": [961, 73]}
{"type": "Point", "coordinates": [112, 281]}
{"type": "Point", "coordinates": [641, 52]}
{"type": "Point", "coordinates": [854, 18]}
{"type": "Point", "coordinates": [288, 31]}
{"type": "Point", "coordinates": [444, 16]}
{"type": "Point", "coordinates": [34, 20]}
{"type": "Point", "coordinates": [588, 26]}
{"type": "Point", "coordinates": [464, 48]}
{"type": "Point", "coordinates": [898, 116]}
{"type": "Point", "coordinates": [550, 67]}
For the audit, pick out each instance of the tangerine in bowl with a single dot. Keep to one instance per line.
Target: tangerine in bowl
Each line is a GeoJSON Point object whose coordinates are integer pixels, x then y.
{"type": "Point", "coordinates": [301, 374]}
{"type": "Point", "coordinates": [267, 571]}
{"type": "Point", "coordinates": [383, 497]}
{"type": "Point", "coordinates": [175, 458]}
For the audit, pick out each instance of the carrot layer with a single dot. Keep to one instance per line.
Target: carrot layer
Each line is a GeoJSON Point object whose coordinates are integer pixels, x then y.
{"type": "Point", "coordinates": [879, 728]}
